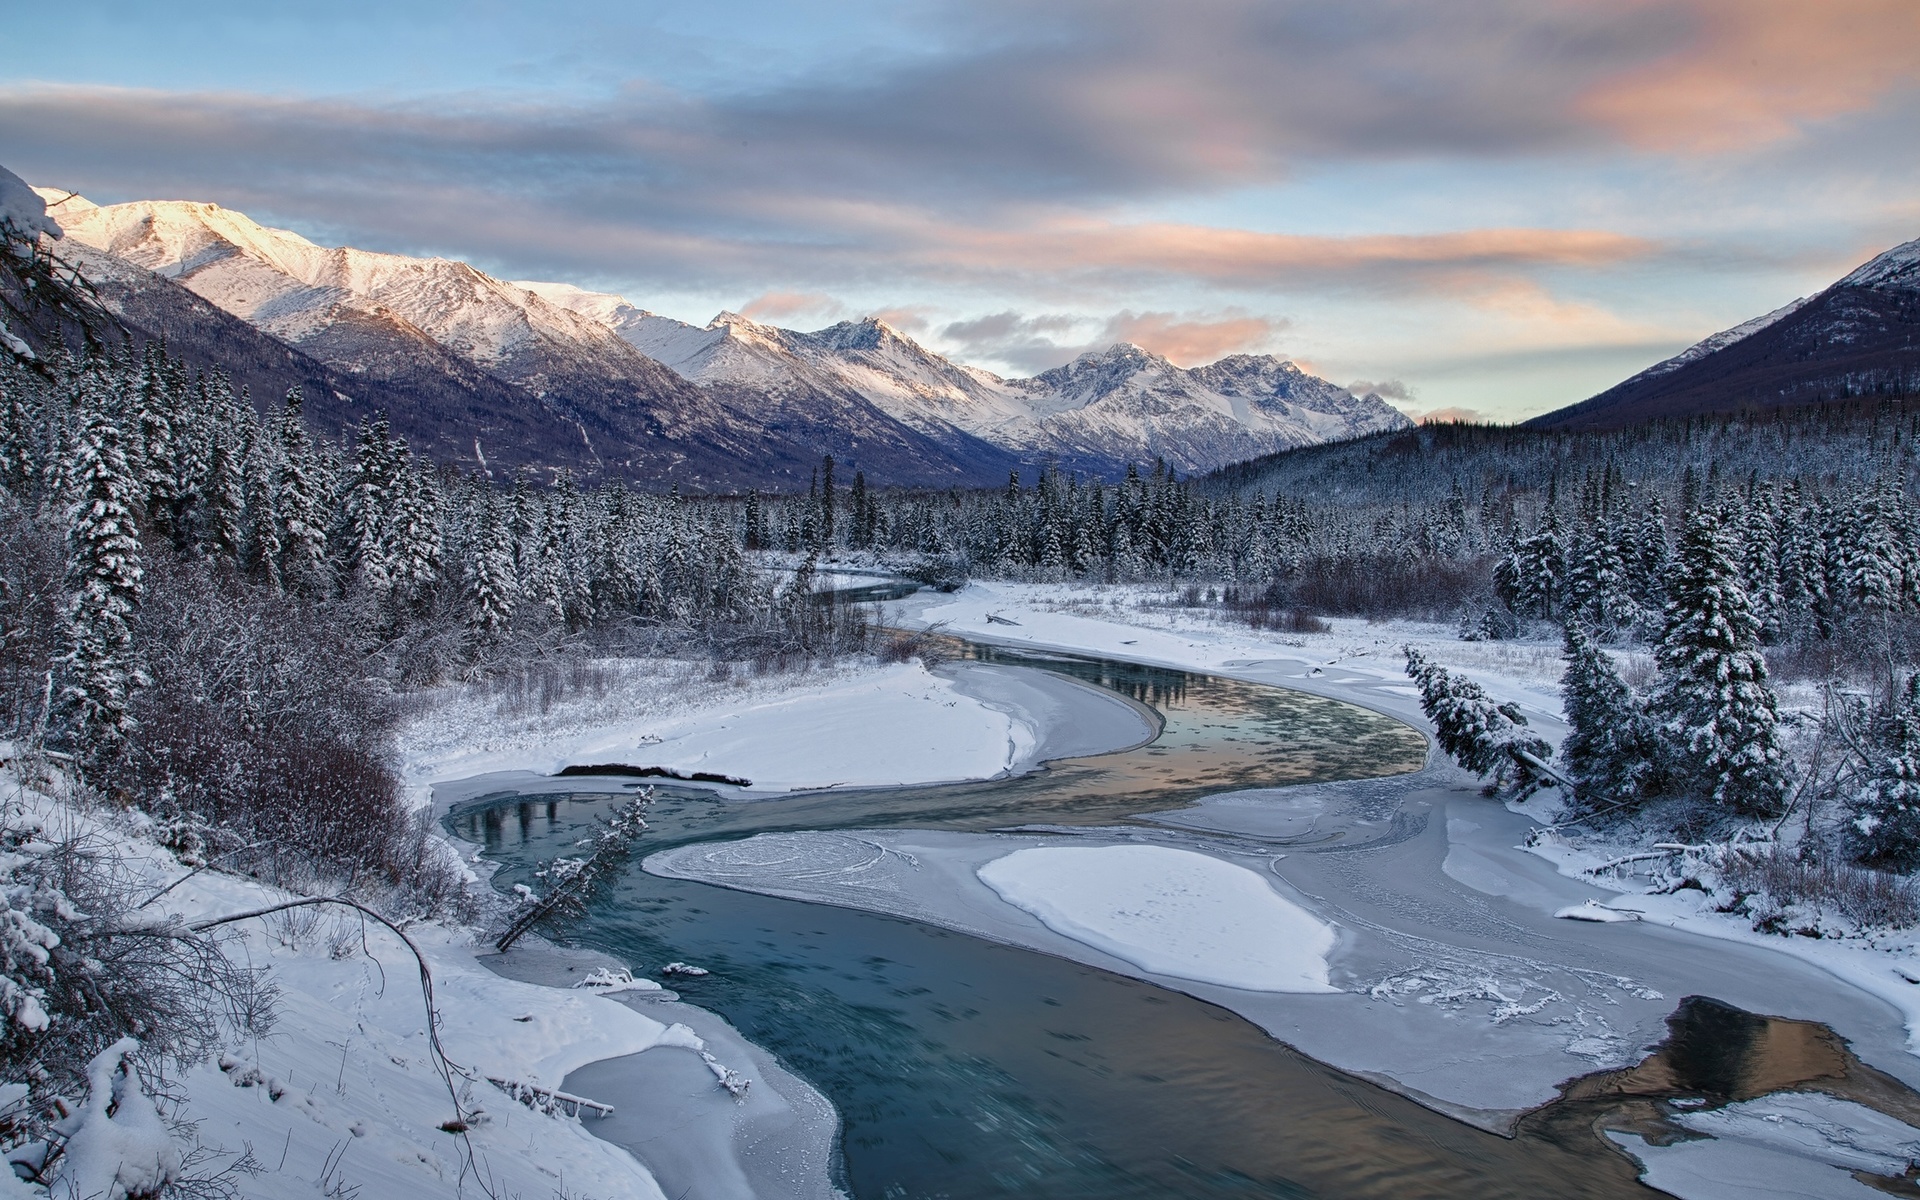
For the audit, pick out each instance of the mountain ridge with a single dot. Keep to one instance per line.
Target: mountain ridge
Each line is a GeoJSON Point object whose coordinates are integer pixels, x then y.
{"type": "Point", "coordinates": [607, 385]}
{"type": "Point", "coordinates": [1860, 336]}
{"type": "Point", "coordinates": [1143, 407]}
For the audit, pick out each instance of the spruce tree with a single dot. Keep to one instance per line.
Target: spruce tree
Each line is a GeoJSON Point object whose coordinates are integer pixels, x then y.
{"type": "Point", "coordinates": [154, 414]}
{"type": "Point", "coordinates": [261, 556]}
{"type": "Point", "coordinates": [492, 589]}
{"type": "Point", "coordinates": [1714, 707]}
{"type": "Point", "coordinates": [97, 668]}
{"type": "Point", "coordinates": [370, 505]}
{"type": "Point", "coordinates": [1488, 738]}
{"type": "Point", "coordinates": [1610, 749]}
{"type": "Point", "coordinates": [1886, 801]}
{"type": "Point", "coordinates": [299, 503]}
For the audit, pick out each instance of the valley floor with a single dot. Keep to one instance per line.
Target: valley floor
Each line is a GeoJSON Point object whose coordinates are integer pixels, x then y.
{"type": "Point", "coordinates": [1442, 968]}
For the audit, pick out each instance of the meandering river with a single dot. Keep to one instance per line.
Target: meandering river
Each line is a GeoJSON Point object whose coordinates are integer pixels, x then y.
{"type": "Point", "coordinates": [963, 1068]}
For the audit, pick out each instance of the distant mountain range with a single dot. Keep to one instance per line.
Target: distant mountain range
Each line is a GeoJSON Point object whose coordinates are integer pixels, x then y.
{"type": "Point", "coordinates": [1860, 337]}
{"type": "Point", "coordinates": [480, 371]}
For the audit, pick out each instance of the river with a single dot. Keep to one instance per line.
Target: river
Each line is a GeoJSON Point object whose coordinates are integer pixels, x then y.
{"type": "Point", "coordinates": [965, 1068]}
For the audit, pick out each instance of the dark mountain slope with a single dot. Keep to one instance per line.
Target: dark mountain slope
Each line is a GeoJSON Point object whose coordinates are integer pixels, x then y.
{"type": "Point", "coordinates": [1860, 337]}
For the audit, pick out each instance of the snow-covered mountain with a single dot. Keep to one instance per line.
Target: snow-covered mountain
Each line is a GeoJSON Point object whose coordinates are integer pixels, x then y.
{"type": "Point", "coordinates": [1859, 337]}
{"type": "Point", "coordinates": [462, 360]}
{"type": "Point", "coordinates": [730, 403]}
{"type": "Point", "coordinates": [1115, 406]}
{"type": "Point", "coordinates": [1717, 341]}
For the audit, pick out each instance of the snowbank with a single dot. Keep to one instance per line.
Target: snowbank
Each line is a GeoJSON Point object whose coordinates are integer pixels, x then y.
{"type": "Point", "coordinates": [899, 725]}
{"type": "Point", "coordinates": [343, 1096]}
{"type": "Point", "coordinates": [1170, 912]}
{"type": "Point", "coordinates": [22, 207]}
{"type": "Point", "coordinates": [1356, 660]}
{"type": "Point", "coordinates": [853, 727]}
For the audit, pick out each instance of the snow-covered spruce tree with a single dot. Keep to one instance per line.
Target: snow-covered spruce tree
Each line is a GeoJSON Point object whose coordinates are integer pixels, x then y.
{"type": "Point", "coordinates": [97, 667]}
{"type": "Point", "coordinates": [1490, 739]}
{"type": "Point", "coordinates": [368, 511]}
{"type": "Point", "coordinates": [299, 504]}
{"type": "Point", "coordinates": [492, 589]}
{"type": "Point", "coordinates": [1610, 749]}
{"type": "Point", "coordinates": [262, 545]}
{"type": "Point", "coordinates": [1596, 582]}
{"type": "Point", "coordinates": [1885, 803]}
{"type": "Point", "coordinates": [1713, 706]}
{"type": "Point", "coordinates": [414, 551]}
{"type": "Point", "coordinates": [1531, 579]}
{"type": "Point", "coordinates": [154, 435]}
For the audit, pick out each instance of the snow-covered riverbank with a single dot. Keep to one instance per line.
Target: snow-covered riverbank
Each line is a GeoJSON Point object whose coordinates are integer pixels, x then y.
{"type": "Point", "coordinates": [342, 1095]}
{"type": "Point", "coordinates": [852, 726]}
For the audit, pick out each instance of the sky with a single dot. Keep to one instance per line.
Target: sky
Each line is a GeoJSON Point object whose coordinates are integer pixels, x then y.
{"type": "Point", "coordinates": [1486, 208]}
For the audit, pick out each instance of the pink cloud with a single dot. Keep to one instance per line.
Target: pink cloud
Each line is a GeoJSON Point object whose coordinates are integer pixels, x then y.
{"type": "Point", "coordinates": [1755, 71]}
{"type": "Point", "coordinates": [1191, 342]}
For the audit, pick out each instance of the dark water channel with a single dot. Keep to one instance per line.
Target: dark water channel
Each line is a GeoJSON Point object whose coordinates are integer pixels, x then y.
{"type": "Point", "coordinates": [968, 1069]}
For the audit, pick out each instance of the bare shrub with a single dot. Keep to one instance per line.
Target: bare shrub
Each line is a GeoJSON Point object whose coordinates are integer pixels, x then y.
{"type": "Point", "coordinates": [1270, 609]}
{"type": "Point", "coordinates": [903, 645]}
{"type": "Point", "coordinates": [1385, 585]}
{"type": "Point", "coordinates": [1871, 898]}
{"type": "Point", "coordinates": [1856, 647]}
{"type": "Point", "coordinates": [264, 738]}
{"type": "Point", "coordinates": [115, 969]}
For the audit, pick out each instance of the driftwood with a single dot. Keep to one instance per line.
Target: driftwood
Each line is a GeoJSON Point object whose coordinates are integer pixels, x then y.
{"type": "Point", "coordinates": [549, 1100]}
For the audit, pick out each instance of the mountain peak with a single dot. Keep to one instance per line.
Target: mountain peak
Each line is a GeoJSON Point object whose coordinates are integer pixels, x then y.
{"type": "Point", "coordinates": [868, 333]}
{"type": "Point", "coordinates": [1898, 267]}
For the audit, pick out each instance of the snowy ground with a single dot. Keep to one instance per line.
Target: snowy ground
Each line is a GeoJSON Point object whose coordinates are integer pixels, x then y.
{"type": "Point", "coordinates": [343, 1092]}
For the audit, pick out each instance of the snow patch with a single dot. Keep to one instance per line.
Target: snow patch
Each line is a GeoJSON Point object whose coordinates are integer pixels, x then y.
{"type": "Point", "coordinates": [1786, 1145]}
{"type": "Point", "coordinates": [1170, 912]}
{"type": "Point", "coordinates": [1593, 910]}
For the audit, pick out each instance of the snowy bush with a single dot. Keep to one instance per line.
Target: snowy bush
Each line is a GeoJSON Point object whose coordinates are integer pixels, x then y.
{"type": "Point", "coordinates": [1782, 879]}
{"type": "Point", "coordinates": [87, 964]}
{"type": "Point", "coordinates": [113, 1146]}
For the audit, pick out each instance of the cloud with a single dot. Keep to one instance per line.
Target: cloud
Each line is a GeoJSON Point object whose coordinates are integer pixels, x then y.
{"type": "Point", "coordinates": [1191, 341]}
{"type": "Point", "coordinates": [908, 319]}
{"type": "Point", "coordinates": [783, 306]}
{"type": "Point", "coordinates": [1010, 120]}
{"type": "Point", "coordinates": [1756, 71]}
{"type": "Point", "coordinates": [1029, 344]}
{"type": "Point", "coordinates": [537, 187]}
{"type": "Point", "coordinates": [1386, 389]}
{"type": "Point", "coordinates": [1024, 344]}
